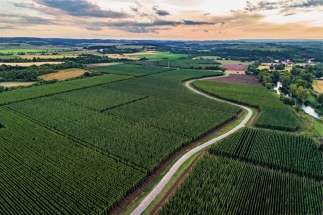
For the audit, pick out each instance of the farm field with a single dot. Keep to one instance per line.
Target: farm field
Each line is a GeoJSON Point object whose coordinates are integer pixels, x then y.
{"type": "Point", "coordinates": [236, 67]}
{"type": "Point", "coordinates": [63, 74]}
{"type": "Point", "coordinates": [181, 63]}
{"type": "Point", "coordinates": [157, 55]}
{"type": "Point", "coordinates": [233, 62]}
{"type": "Point", "coordinates": [274, 114]}
{"type": "Point", "coordinates": [100, 64]}
{"type": "Point", "coordinates": [237, 79]}
{"type": "Point", "coordinates": [219, 185]}
{"type": "Point", "coordinates": [28, 50]}
{"type": "Point", "coordinates": [282, 151]}
{"type": "Point", "coordinates": [318, 86]}
{"type": "Point", "coordinates": [52, 89]}
{"type": "Point", "coordinates": [129, 69]}
{"type": "Point", "coordinates": [29, 64]}
{"type": "Point", "coordinates": [125, 56]}
{"type": "Point", "coordinates": [263, 67]}
{"type": "Point", "coordinates": [43, 172]}
{"type": "Point", "coordinates": [15, 84]}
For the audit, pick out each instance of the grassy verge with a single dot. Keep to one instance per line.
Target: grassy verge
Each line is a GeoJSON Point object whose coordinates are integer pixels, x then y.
{"type": "Point", "coordinates": [310, 126]}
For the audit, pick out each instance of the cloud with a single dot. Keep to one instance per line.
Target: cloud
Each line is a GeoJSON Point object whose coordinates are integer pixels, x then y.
{"type": "Point", "coordinates": [190, 22]}
{"type": "Point", "coordinates": [289, 14]}
{"type": "Point", "coordinates": [206, 14]}
{"type": "Point", "coordinates": [133, 8]}
{"type": "Point", "coordinates": [137, 29]}
{"type": "Point", "coordinates": [81, 8]}
{"type": "Point", "coordinates": [206, 31]}
{"type": "Point", "coordinates": [93, 28]}
{"type": "Point", "coordinates": [283, 5]}
{"type": "Point", "coordinates": [160, 12]}
{"type": "Point", "coordinates": [23, 19]}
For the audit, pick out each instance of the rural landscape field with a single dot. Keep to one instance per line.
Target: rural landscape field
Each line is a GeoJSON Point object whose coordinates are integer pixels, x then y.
{"type": "Point", "coordinates": [173, 108]}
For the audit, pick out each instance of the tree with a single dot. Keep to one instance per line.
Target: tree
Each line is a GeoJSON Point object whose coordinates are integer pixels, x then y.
{"type": "Point", "coordinates": [286, 81]}
{"type": "Point", "coordinates": [293, 89]}
{"type": "Point", "coordinates": [320, 98]}
{"type": "Point", "coordinates": [1, 89]}
{"type": "Point", "coordinates": [268, 86]}
{"type": "Point", "coordinates": [281, 96]}
{"type": "Point", "coordinates": [302, 93]}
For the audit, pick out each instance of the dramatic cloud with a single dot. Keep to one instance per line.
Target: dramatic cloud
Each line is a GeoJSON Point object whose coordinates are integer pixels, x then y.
{"type": "Point", "coordinates": [81, 8]}
{"type": "Point", "coordinates": [160, 12]}
{"type": "Point", "coordinates": [283, 5]}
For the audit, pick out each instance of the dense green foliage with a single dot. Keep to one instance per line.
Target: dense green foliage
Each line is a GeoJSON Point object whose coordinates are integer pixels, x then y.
{"type": "Point", "coordinates": [97, 80]}
{"type": "Point", "coordinates": [51, 89]}
{"type": "Point", "coordinates": [273, 115]}
{"type": "Point", "coordinates": [167, 86]}
{"type": "Point", "coordinates": [188, 120]}
{"type": "Point", "coordinates": [98, 98]}
{"type": "Point", "coordinates": [133, 142]}
{"type": "Point", "coordinates": [224, 186]}
{"type": "Point", "coordinates": [43, 172]}
{"type": "Point", "coordinates": [132, 70]}
{"type": "Point", "coordinates": [283, 151]}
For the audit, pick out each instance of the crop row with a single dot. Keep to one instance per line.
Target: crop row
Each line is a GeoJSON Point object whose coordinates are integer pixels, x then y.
{"type": "Point", "coordinates": [179, 63]}
{"type": "Point", "coordinates": [274, 114]}
{"type": "Point", "coordinates": [168, 86]}
{"type": "Point", "coordinates": [52, 89]}
{"type": "Point", "coordinates": [98, 98]}
{"type": "Point", "coordinates": [288, 152]}
{"type": "Point", "coordinates": [224, 186]}
{"type": "Point", "coordinates": [132, 70]}
{"type": "Point", "coordinates": [45, 173]}
{"type": "Point", "coordinates": [133, 142]}
{"type": "Point", "coordinates": [192, 121]}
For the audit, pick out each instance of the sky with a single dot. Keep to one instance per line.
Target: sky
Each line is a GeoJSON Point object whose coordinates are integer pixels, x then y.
{"type": "Point", "coordinates": [162, 19]}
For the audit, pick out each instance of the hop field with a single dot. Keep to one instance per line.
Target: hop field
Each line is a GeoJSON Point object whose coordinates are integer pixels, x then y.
{"type": "Point", "coordinates": [283, 151]}
{"type": "Point", "coordinates": [274, 114]}
{"type": "Point", "coordinates": [223, 186]}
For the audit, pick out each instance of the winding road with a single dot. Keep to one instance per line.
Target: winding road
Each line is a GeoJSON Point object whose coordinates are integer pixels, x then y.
{"type": "Point", "coordinates": [152, 195]}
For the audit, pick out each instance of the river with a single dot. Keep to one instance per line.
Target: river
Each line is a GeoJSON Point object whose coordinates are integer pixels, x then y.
{"type": "Point", "coordinates": [307, 109]}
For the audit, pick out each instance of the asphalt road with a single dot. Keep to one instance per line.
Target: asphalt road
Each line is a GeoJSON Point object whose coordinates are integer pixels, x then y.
{"type": "Point", "coordinates": [152, 195]}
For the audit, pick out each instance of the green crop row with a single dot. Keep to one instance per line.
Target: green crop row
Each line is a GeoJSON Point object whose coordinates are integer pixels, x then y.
{"type": "Point", "coordinates": [273, 115]}
{"type": "Point", "coordinates": [45, 173]}
{"type": "Point", "coordinates": [132, 70]}
{"type": "Point", "coordinates": [52, 89]}
{"type": "Point", "coordinates": [224, 186]}
{"type": "Point", "coordinates": [188, 120]}
{"type": "Point", "coordinates": [168, 86]}
{"type": "Point", "coordinates": [288, 152]}
{"type": "Point", "coordinates": [132, 142]}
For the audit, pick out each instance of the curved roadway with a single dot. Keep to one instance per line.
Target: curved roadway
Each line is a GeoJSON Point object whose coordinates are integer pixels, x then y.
{"type": "Point", "coordinates": [152, 195]}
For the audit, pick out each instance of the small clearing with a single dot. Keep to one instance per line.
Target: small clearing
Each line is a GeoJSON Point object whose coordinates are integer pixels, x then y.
{"type": "Point", "coordinates": [263, 67]}
{"type": "Point", "coordinates": [15, 84]}
{"type": "Point", "coordinates": [64, 74]}
{"type": "Point", "coordinates": [237, 79]}
{"type": "Point", "coordinates": [318, 86]}
{"type": "Point", "coordinates": [29, 64]}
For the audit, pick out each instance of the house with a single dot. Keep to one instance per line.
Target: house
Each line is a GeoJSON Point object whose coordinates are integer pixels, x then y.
{"type": "Point", "coordinates": [276, 61]}
{"type": "Point", "coordinates": [288, 63]}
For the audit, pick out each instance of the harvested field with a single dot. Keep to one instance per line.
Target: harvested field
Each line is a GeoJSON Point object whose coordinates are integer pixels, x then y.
{"type": "Point", "coordinates": [101, 64]}
{"type": "Point", "coordinates": [236, 67]}
{"type": "Point", "coordinates": [318, 86]}
{"type": "Point", "coordinates": [30, 64]}
{"type": "Point", "coordinates": [15, 84]}
{"type": "Point", "coordinates": [263, 67]}
{"type": "Point", "coordinates": [64, 74]}
{"type": "Point", "coordinates": [238, 79]}
{"type": "Point", "coordinates": [235, 72]}
{"type": "Point", "coordinates": [233, 62]}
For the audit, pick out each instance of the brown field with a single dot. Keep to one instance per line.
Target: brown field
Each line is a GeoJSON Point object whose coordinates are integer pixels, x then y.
{"type": "Point", "coordinates": [15, 84]}
{"type": "Point", "coordinates": [30, 64]}
{"type": "Point", "coordinates": [235, 72]}
{"type": "Point", "coordinates": [49, 56]}
{"type": "Point", "coordinates": [63, 74]}
{"type": "Point", "coordinates": [236, 67]}
{"type": "Point", "coordinates": [144, 53]}
{"type": "Point", "coordinates": [237, 79]}
{"type": "Point", "coordinates": [318, 86]}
